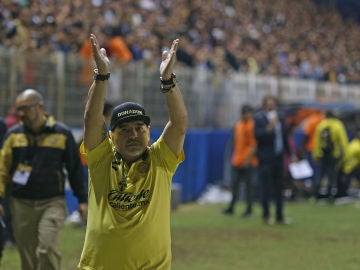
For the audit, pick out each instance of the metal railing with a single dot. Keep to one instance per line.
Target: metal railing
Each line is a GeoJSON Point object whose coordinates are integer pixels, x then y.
{"type": "Point", "coordinates": [213, 99]}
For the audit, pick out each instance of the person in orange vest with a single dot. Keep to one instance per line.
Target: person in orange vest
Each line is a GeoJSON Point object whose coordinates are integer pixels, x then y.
{"type": "Point", "coordinates": [309, 127]}
{"type": "Point", "coordinates": [243, 160]}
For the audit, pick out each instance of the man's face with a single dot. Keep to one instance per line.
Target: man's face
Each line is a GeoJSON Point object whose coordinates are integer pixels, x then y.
{"type": "Point", "coordinates": [131, 139]}
{"type": "Point", "coordinates": [270, 104]}
{"type": "Point", "coordinates": [247, 115]}
{"type": "Point", "coordinates": [28, 111]}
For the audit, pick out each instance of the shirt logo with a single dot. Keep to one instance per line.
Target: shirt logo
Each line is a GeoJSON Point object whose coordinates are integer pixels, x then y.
{"type": "Point", "coordinates": [125, 201]}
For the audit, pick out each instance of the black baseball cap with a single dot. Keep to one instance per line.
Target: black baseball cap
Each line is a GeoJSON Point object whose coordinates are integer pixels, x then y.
{"type": "Point", "coordinates": [126, 112]}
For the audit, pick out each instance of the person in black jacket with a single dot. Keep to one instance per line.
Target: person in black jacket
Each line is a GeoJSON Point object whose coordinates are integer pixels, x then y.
{"type": "Point", "coordinates": [272, 144]}
{"type": "Point", "coordinates": [37, 157]}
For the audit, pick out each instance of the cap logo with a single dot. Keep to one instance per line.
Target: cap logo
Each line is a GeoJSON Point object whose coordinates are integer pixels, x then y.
{"type": "Point", "coordinates": [127, 112]}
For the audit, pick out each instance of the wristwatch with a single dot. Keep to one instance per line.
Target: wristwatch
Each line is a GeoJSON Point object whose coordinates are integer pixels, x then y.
{"type": "Point", "coordinates": [100, 77]}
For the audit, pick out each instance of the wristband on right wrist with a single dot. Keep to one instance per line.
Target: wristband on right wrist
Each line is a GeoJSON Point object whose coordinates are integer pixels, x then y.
{"type": "Point", "coordinates": [167, 85]}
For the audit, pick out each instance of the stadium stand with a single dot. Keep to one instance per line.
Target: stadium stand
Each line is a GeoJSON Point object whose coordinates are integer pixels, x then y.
{"type": "Point", "coordinates": [302, 39]}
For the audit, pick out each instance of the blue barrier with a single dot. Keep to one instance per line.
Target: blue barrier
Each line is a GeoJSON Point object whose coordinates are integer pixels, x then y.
{"type": "Point", "coordinates": [203, 164]}
{"type": "Point", "coordinates": [71, 201]}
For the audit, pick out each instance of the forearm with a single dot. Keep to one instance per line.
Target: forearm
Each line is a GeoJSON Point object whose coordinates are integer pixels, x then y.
{"type": "Point", "coordinates": [94, 124]}
{"type": "Point", "coordinates": [175, 130]}
{"type": "Point", "coordinates": [93, 118]}
{"type": "Point", "coordinates": [178, 115]}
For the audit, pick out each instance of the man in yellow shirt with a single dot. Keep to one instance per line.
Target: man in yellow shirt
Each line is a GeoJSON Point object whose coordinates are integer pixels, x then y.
{"type": "Point", "coordinates": [130, 182]}
{"type": "Point", "coordinates": [350, 166]}
{"type": "Point", "coordinates": [329, 146]}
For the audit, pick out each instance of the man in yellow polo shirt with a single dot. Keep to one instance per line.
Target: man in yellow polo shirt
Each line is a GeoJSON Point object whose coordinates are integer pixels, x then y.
{"type": "Point", "coordinates": [329, 146]}
{"type": "Point", "coordinates": [350, 166]}
{"type": "Point", "coordinates": [130, 182]}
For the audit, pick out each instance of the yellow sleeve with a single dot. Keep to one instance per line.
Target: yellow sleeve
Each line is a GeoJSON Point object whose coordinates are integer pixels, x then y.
{"type": "Point", "coordinates": [5, 164]}
{"type": "Point", "coordinates": [317, 148]}
{"type": "Point", "coordinates": [351, 157]}
{"type": "Point", "coordinates": [343, 136]}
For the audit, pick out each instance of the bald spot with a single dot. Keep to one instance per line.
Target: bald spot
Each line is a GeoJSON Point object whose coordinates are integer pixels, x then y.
{"type": "Point", "coordinates": [29, 95]}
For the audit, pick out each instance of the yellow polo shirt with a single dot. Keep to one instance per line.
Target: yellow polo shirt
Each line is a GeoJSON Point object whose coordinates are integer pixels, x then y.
{"type": "Point", "coordinates": [129, 229]}
{"type": "Point", "coordinates": [338, 137]}
{"type": "Point", "coordinates": [351, 159]}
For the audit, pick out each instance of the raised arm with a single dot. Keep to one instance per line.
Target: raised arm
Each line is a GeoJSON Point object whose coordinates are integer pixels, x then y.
{"type": "Point", "coordinates": [94, 125]}
{"type": "Point", "coordinates": [175, 130]}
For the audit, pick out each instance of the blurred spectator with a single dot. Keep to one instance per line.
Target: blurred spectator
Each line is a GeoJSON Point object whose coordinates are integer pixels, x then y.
{"type": "Point", "coordinates": [117, 51]}
{"type": "Point", "coordinates": [2, 223]}
{"type": "Point", "coordinates": [11, 118]}
{"type": "Point", "coordinates": [272, 145]}
{"type": "Point", "coordinates": [16, 33]}
{"type": "Point", "coordinates": [309, 128]}
{"type": "Point", "coordinates": [107, 112]}
{"type": "Point", "coordinates": [329, 146]}
{"type": "Point", "coordinates": [307, 143]}
{"type": "Point", "coordinates": [3, 130]}
{"type": "Point", "coordinates": [243, 161]}
{"type": "Point", "coordinates": [254, 37]}
{"type": "Point", "coordinates": [350, 166]}
{"type": "Point", "coordinates": [291, 187]}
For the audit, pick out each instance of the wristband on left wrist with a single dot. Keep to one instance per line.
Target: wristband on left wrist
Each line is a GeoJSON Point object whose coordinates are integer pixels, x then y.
{"type": "Point", "coordinates": [100, 77]}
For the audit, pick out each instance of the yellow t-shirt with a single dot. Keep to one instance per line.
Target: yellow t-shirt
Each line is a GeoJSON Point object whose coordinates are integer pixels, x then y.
{"type": "Point", "coordinates": [129, 229]}
{"type": "Point", "coordinates": [338, 137]}
{"type": "Point", "coordinates": [351, 159]}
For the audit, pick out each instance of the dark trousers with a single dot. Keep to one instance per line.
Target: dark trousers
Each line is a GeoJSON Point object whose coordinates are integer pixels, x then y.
{"type": "Point", "coordinates": [344, 181]}
{"type": "Point", "coordinates": [271, 177]}
{"type": "Point", "coordinates": [242, 175]}
{"type": "Point", "coordinates": [326, 167]}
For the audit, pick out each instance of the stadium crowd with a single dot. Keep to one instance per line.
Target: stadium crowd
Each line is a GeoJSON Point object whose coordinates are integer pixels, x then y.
{"type": "Point", "coordinates": [295, 39]}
